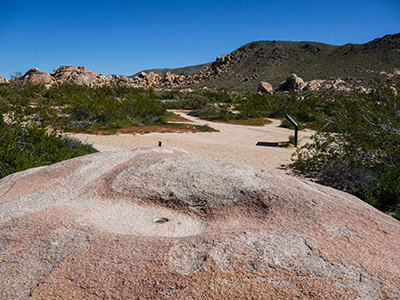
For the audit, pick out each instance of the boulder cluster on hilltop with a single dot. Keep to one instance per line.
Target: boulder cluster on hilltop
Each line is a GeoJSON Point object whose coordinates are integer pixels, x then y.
{"type": "Point", "coordinates": [67, 74]}
{"type": "Point", "coordinates": [3, 80]}
{"type": "Point", "coordinates": [82, 76]}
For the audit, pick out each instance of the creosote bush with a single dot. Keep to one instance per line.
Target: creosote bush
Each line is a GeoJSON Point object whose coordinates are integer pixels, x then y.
{"type": "Point", "coordinates": [103, 107]}
{"type": "Point", "coordinates": [359, 148]}
{"type": "Point", "coordinates": [24, 146]}
{"type": "Point", "coordinates": [343, 176]}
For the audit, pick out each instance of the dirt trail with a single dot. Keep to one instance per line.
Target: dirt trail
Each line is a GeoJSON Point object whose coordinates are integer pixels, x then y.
{"type": "Point", "coordinates": [235, 143]}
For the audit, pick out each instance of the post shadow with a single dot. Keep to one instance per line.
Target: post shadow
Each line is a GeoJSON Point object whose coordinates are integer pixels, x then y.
{"type": "Point", "coordinates": [267, 144]}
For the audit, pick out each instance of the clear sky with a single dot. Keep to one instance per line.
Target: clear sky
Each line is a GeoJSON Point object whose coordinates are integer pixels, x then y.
{"type": "Point", "coordinates": [124, 37]}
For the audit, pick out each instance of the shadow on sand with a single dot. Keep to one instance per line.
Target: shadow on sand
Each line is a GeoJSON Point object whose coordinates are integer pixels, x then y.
{"type": "Point", "coordinates": [267, 144]}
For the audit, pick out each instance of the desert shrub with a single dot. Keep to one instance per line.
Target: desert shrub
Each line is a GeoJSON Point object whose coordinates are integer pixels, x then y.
{"type": "Point", "coordinates": [208, 112]}
{"type": "Point", "coordinates": [24, 146]}
{"type": "Point", "coordinates": [384, 193]}
{"type": "Point", "coordinates": [221, 111]}
{"type": "Point", "coordinates": [170, 94]}
{"type": "Point", "coordinates": [312, 109]}
{"type": "Point", "coordinates": [219, 96]}
{"type": "Point", "coordinates": [25, 138]}
{"type": "Point", "coordinates": [363, 134]}
{"type": "Point", "coordinates": [198, 101]}
{"type": "Point", "coordinates": [343, 176]}
{"type": "Point", "coordinates": [104, 107]}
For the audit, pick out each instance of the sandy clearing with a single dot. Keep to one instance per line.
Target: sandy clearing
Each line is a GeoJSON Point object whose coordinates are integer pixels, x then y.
{"type": "Point", "coordinates": [234, 143]}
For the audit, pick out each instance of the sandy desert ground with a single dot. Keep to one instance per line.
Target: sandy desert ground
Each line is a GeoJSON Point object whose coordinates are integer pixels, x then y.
{"type": "Point", "coordinates": [235, 143]}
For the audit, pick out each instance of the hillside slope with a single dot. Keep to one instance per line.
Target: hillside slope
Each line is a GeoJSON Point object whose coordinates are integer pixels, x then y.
{"type": "Point", "coordinates": [273, 61]}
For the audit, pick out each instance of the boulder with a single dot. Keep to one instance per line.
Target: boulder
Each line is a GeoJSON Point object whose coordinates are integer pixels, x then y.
{"type": "Point", "coordinates": [3, 80]}
{"type": "Point", "coordinates": [313, 85]}
{"type": "Point", "coordinates": [293, 82]}
{"type": "Point", "coordinates": [80, 75]}
{"type": "Point", "coordinates": [265, 88]}
{"type": "Point", "coordinates": [169, 78]}
{"type": "Point", "coordinates": [34, 76]}
{"type": "Point", "coordinates": [154, 77]}
{"type": "Point", "coordinates": [142, 75]}
{"type": "Point", "coordinates": [360, 89]}
{"type": "Point", "coordinates": [63, 72]}
{"type": "Point", "coordinates": [164, 223]}
{"type": "Point", "coordinates": [124, 79]}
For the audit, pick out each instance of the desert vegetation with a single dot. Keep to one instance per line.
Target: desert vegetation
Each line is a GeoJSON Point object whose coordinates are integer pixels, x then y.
{"type": "Point", "coordinates": [357, 145]}
{"type": "Point", "coordinates": [24, 141]}
{"type": "Point", "coordinates": [34, 118]}
{"type": "Point", "coordinates": [358, 148]}
{"type": "Point", "coordinates": [355, 149]}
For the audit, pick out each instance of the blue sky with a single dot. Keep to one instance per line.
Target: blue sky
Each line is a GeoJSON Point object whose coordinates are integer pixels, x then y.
{"type": "Point", "coordinates": [124, 37]}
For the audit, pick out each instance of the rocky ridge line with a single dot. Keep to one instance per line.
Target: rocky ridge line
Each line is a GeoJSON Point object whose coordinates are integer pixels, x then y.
{"type": "Point", "coordinates": [81, 76]}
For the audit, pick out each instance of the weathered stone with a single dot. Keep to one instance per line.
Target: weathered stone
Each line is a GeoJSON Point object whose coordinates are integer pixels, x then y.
{"type": "Point", "coordinates": [313, 85]}
{"type": "Point", "coordinates": [154, 77]}
{"type": "Point", "coordinates": [265, 88]}
{"type": "Point", "coordinates": [3, 80]}
{"type": "Point", "coordinates": [360, 89]}
{"type": "Point", "coordinates": [162, 222]}
{"type": "Point", "coordinates": [34, 76]}
{"type": "Point", "coordinates": [293, 82]}
{"type": "Point", "coordinates": [80, 75]}
{"type": "Point", "coordinates": [169, 78]}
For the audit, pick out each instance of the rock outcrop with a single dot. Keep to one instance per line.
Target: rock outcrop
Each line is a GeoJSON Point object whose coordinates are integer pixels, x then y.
{"type": "Point", "coordinates": [78, 75]}
{"type": "Point", "coordinates": [81, 76]}
{"type": "Point", "coordinates": [293, 82]}
{"type": "Point", "coordinates": [265, 88]}
{"type": "Point", "coordinates": [34, 76]}
{"type": "Point", "coordinates": [164, 223]}
{"type": "Point", "coordinates": [3, 80]}
{"type": "Point", "coordinates": [313, 85]}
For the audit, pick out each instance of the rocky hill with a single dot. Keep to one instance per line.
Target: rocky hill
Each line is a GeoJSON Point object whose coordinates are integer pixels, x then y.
{"type": "Point", "coordinates": [354, 65]}
{"type": "Point", "coordinates": [273, 61]}
{"type": "Point", "coordinates": [320, 66]}
{"type": "Point", "coordinates": [162, 223]}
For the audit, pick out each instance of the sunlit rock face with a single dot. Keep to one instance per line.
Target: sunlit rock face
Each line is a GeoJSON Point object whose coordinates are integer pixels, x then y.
{"type": "Point", "coordinates": [165, 223]}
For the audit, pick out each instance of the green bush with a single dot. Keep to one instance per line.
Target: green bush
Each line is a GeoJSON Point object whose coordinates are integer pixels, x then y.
{"type": "Point", "coordinates": [24, 146]}
{"type": "Point", "coordinates": [198, 101]}
{"type": "Point", "coordinates": [104, 107]}
{"type": "Point", "coordinates": [363, 133]}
